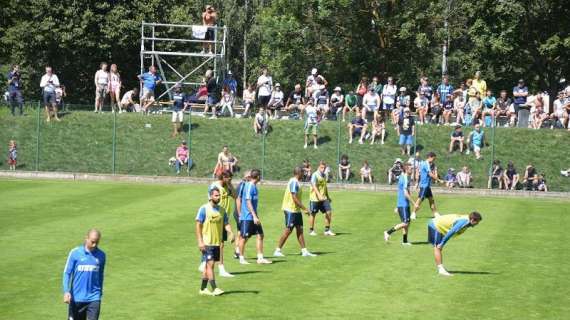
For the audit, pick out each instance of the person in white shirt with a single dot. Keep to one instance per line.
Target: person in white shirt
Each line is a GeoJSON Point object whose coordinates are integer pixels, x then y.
{"type": "Point", "coordinates": [276, 102]}
{"type": "Point", "coordinates": [265, 87]}
{"type": "Point", "coordinates": [371, 102]}
{"type": "Point", "coordinates": [336, 101]}
{"type": "Point", "coordinates": [261, 122]}
{"type": "Point", "coordinates": [128, 101]}
{"type": "Point", "coordinates": [311, 123]}
{"type": "Point", "coordinates": [49, 83]}
{"type": "Point", "coordinates": [366, 173]}
{"type": "Point", "coordinates": [101, 86]}
{"type": "Point", "coordinates": [402, 102]}
{"type": "Point", "coordinates": [389, 96]}
{"type": "Point", "coordinates": [248, 99]}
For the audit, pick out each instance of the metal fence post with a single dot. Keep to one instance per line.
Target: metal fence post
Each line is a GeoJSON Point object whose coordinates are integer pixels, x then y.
{"type": "Point", "coordinates": [338, 147]}
{"type": "Point", "coordinates": [189, 139]}
{"type": "Point", "coordinates": [114, 158]}
{"type": "Point", "coordinates": [38, 124]}
{"type": "Point", "coordinates": [263, 155]}
{"type": "Point", "coordinates": [490, 186]}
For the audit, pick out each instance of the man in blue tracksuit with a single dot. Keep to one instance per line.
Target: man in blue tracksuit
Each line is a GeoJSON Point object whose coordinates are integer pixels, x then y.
{"type": "Point", "coordinates": [83, 279]}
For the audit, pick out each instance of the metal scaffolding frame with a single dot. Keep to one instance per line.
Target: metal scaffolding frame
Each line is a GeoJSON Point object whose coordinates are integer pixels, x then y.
{"type": "Point", "coordinates": [150, 42]}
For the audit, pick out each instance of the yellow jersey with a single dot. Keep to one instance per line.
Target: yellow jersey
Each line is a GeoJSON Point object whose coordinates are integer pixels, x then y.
{"type": "Point", "coordinates": [319, 180]}
{"type": "Point", "coordinates": [481, 86]}
{"type": "Point", "coordinates": [213, 220]}
{"type": "Point", "coordinates": [227, 201]}
{"type": "Point", "coordinates": [451, 222]}
{"type": "Point", "coordinates": [293, 187]}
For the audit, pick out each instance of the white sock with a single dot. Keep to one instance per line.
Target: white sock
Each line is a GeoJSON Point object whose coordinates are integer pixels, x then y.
{"type": "Point", "coordinates": [259, 256]}
{"type": "Point", "coordinates": [241, 258]}
{"type": "Point", "coordinates": [277, 249]}
{"type": "Point", "coordinates": [304, 250]}
{"type": "Point", "coordinates": [440, 267]}
{"type": "Point", "coordinates": [221, 268]}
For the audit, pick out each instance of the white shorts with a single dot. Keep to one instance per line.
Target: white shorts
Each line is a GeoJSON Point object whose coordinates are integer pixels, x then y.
{"type": "Point", "coordinates": [476, 148]}
{"type": "Point", "coordinates": [177, 116]}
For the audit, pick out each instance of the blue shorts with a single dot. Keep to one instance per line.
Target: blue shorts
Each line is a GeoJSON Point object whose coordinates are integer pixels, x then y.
{"type": "Point", "coordinates": [212, 100]}
{"type": "Point", "coordinates": [293, 219]}
{"type": "Point", "coordinates": [404, 213]}
{"type": "Point", "coordinates": [425, 192]}
{"type": "Point", "coordinates": [388, 106]}
{"type": "Point", "coordinates": [406, 139]}
{"type": "Point", "coordinates": [322, 206]}
{"type": "Point", "coordinates": [211, 253]}
{"type": "Point", "coordinates": [49, 98]}
{"type": "Point", "coordinates": [247, 228]}
{"type": "Point", "coordinates": [434, 236]}
{"type": "Point", "coordinates": [357, 132]}
{"type": "Point", "coordinates": [84, 310]}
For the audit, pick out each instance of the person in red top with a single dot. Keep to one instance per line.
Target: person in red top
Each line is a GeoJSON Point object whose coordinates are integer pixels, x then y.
{"type": "Point", "coordinates": [183, 157]}
{"type": "Point", "coordinates": [209, 17]}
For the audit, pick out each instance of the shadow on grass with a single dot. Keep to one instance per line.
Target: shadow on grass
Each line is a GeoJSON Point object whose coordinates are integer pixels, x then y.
{"type": "Point", "coordinates": [249, 272]}
{"type": "Point", "coordinates": [419, 242]}
{"type": "Point", "coordinates": [241, 291]}
{"type": "Point", "coordinates": [342, 233]}
{"type": "Point", "coordinates": [472, 272]}
{"type": "Point", "coordinates": [185, 127]}
{"type": "Point", "coordinates": [323, 140]}
{"type": "Point", "coordinates": [418, 148]}
{"type": "Point", "coordinates": [322, 253]}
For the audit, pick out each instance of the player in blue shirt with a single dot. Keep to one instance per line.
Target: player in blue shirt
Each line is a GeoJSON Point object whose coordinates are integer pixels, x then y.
{"type": "Point", "coordinates": [426, 173]}
{"type": "Point", "coordinates": [249, 220]}
{"type": "Point", "coordinates": [239, 196]}
{"type": "Point", "coordinates": [444, 90]}
{"type": "Point", "coordinates": [179, 105]}
{"type": "Point", "coordinates": [403, 203]}
{"type": "Point", "coordinates": [83, 278]}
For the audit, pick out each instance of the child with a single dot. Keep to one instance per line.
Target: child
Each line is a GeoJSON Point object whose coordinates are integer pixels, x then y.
{"type": "Point", "coordinates": [227, 101]}
{"type": "Point", "coordinates": [450, 178]}
{"type": "Point", "coordinates": [344, 168]}
{"type": "Point", "coordinates": [366, 173]}
{"type": "Point", "coordinates": [378, 129]}
{"type": "Point", "coordinates": [12, 155]}
{"type": "Point", "coordinates": [248, 99]}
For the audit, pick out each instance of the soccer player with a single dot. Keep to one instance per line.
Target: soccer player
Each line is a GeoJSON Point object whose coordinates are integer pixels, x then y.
{"type": "Point", "coordinates": [292, 208]}
{"type": "Point", "coordinates": [426, 175]}
{"type": "Point", "coordinates": [442, 228]}
{"type": "Point", "coordinates": [237, 212]}
{"type": "Point", "coordinates": [404, 200]}
{"type": "Point", "coordinates": [83, 278]}
{"type": "Point", "coordinates": [320, 200]}
{"type": "Point", "coordinates": [210, 221]}
{"type": "Point", "coordinates": [249, 219]}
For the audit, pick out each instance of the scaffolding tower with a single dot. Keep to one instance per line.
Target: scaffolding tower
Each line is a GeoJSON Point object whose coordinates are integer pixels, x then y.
{"type": "Point", "coordinates": [177, 42]}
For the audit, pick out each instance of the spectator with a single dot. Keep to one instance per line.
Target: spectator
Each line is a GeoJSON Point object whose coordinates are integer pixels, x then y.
{"type": "Point", "coordinates": [314, 82]}
{"type": "Point", "coordinates": [128, 100]}
{"type": "Point", "coordinates": [389, 97]}
{"type": "Point", "coordinates": [395, 171]}
{"type": "Point", "coordinates": [231, 83]}
{"type": "Point", "coordinates": [295, 101]}
{"type": "Point", "coordinates": [450, 178]}
{"type": "Point", "coordinates": [322, 101]}
{"type": "Point", "coordinates": [436, 108]}
{"type": "Point", "coordinates": [520, 94]}
{"type": "Point", "coordinates": [12, 155]}
{"type": "Point", "coordinates": [226, 161]}
{"type": "Point", "coordinates": [227, 101]}
{"type": "Point", "coordinates": [265, 87]}
{"type": "Point", "coordinates": [503, 108]}
{"type": "Point", "coordinates": [459, 106]}
{"type": "Point", "coordinates": [350, 104]}
{"type": "Point", "coordinates": [530, 178]}
{"type": "Point", "coordinates": [541, 183]}
{"type": "Point", "coordinates": [537, 113]}
{"type": "Point", "coordinates": [378, 129]}
{"type": "Point", "coordinates": [328, 172]}
{"type": "Point", "coordinates": [370, 102]}
{"type": "Point", "coordinates": [497, 174]}
{"type": "Point", "coordinates": [456, 139]}
{"type": "Point", "coordinates": [474, 106]}
{"type": "Point", "coordinates": [115, 88]}
{"type": "Point", "coordinates": [344, 168]}
{"type": "Point", "coordinates": [406, 131]}
{"type": "Point", "coordinates": [489, 104]}
{"type": "Point", "coordinates": [201, 95]}
{"type": "Point", "coordinates": [366, 173]}
{"type": "Point", "coordinates": [261, 122]}
{"type": "Point", "coordinates": [15, 96]}
{"type": "Point", "coordinates": [276, 102]}
{"type": "Point", "coordinates": [445, 90]}
{"type": "Point", "coordinates": [565, 173]}
{"type": "Point", "coordinates": [49, 83]}
{"type": "Point", "coordinates": [425, 89]}
{"type": "Point", "coordinates": [336, 102]}
{"type": "Point", "coordinates": [248, 99]}
{"type": "Point", "coordinates": [212, 88]}
{"type": "Point", "coordinates": [448, 107]}
{"type": "Point", "coordinates": [462, 91]}
{"type": "Point", "coordinates": [357, 128]}
{"type": "Point", "coordinates": [402, 102]}
{"type": "Point", "coordinates": [475, 141]}
{"type": "Point", "coordinates": [464, 178]}
{"type": "Point", "coordinates": [60, 94]}
{"type": "Point", "coordinates": [101, 86]}
{"type": "Point", "coordinates": [361, 90]}
{"type": "Point", "coordinates": [511, 177]}
{"type": "Point", "coordinates": [209, 17]}
{"type": "Point", "coordinates": [377, 85]}
{"type": "Point", "coordinates": [311, 123]}
{"type": "Point", "coordinates": [307, 170]}
{"type": "Point", "coordinates": [559, 118]}
{"type": "Point", "coordinates": [479, 84]}
{"type": "Point", "coordinates": [149, 80]}
{"type": "Point", "coordinates": [183, 158]}
{"type": "Point", "coordinates": [180, 104]}
{"type": "Point", "coordinates": [414, 162]}
{"type": "Point", "coordinates": [421, 103]}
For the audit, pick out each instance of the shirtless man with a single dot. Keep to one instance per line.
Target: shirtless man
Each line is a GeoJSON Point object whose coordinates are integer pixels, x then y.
{"type": "Point", "coordinates": [209, 17]}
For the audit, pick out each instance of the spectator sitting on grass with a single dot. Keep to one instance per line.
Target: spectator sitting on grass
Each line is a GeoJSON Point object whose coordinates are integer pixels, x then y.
{"type": "Point", "coordinates": [295, 101]}
{"type": "Point", "coordinates": [350, 104]}
{"type": "Point", "coordinates": [12, 155]}
{"type": "Point", "coordinates": [511, 177]}
{"type": "Point", "coordinates": [450, 178]}
{"type": "Point", "coordinates": [540, 183]}
{"type": "Point", "coordinates": [183, 157]}
{"type": "Point", "coordinates": [378, 129]}
{"type": "Point", "coordinates": [366, 173]}
{"type": "Point", "coordinates": [276, 102]}
{"type": "Point", "coordinates": [456, 139]}
{"type": "Point", "coordinates": [475, 141]}
{"type": "Point", "coordinates": [489, 104]}
{"type": "Point", "coordinates": [226, 161]}
{"type": "Point", "coordinates": [357, 128]}
{"type": "Point", "coordinates": [128, 101]}
{"type": "Point", "coordinates": [371, 103]}
{"type": "Point", "coordinates": [497, 173]}
{"type": "Point", "coordinates": [261, 122]}
{"type": "Point", "coordinates": [459, 106]}
{"type": "Point", "coordinates": [421, 103]}
{"type": "Point", "coordinates": [344, 168]}
{"type": "Point", "coordinates": [406, 131]}
{"type": "Point", "coordinates": [227, 102]}
{"type": "Point", "coordinates": [322, 101]}
{"type": "Point", "coordinates": [464, 178]}
{"type": "Point", "coordinates": [530, 178]}
{"type": "Point", "coordinates": [503, 108]}
{"type": "Point", "coordinates": [402, 102]}
{"type": "Point", "coordinates": [336, 102]}
{"type": "Point", "coordinates": [307, 170]}
{"type": "Point", "coordinates": [248, 98]}
{"type": "Point", "coordinates": [395, 171]}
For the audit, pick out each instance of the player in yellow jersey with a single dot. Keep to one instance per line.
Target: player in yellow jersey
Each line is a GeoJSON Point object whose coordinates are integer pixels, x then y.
{"type": "Point", "coordinates": [442, 228]}
{"type": "Point", "coordinates": [320, 200]}
{"type": "Point", "coordinates": [210, 221]}
{"type": "Point", "coordinates": [293, 209]}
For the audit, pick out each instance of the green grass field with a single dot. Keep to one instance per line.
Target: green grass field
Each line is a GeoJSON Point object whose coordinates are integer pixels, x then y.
{"type": "Point", "coordinates": [512, 266]}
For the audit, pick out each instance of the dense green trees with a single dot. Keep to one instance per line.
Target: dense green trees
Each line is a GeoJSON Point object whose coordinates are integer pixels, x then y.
{"type": "Point", "coordinates": [506, 39]}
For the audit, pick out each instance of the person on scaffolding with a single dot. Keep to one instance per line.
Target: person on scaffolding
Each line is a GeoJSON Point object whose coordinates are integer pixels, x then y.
{"type": "Point", "coordinates": [209, 17]}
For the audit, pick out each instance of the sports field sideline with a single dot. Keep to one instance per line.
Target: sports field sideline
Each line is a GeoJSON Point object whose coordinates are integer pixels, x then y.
{"type": "Point", "coordinates": [511, 266]}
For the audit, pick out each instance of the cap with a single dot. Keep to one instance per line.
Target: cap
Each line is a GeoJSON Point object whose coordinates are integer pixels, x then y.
{"type": "Point", "coordinates": [458, 126]}
{"type": "Point", "coordinates": [337, 89]}
{"type": "Point", "coordinates": [230, 72]}
{"type": "Point", "coordinates": [521, 80]}
{"type": "Point", "coordinates": [278, 84]}
{"type": "Point", "coordinates": [314, 71]}
{"type": "Point", "coordinates": [402, 89]}
{"type": "Point", "coordinates": [398, 160]}
{"type": "Point", "coordinates": [184, 142]}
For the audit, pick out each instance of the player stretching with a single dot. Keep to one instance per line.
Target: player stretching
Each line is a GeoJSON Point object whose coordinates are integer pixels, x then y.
{"type": "Point", "coordinates": [292, 207]}
{"type": "Point", "coordinates": [237, 212]}
{"type": "Point", "coordinates": [426, 175]}
{"type": "Point", "coordinates": [404, 200]}
{"type": "Point", "coordinates": [210, 221]}
{"type": "Point", "coordinates": [249, 220]}
{"type": "Point", "coordinates": [320, 200]}
{"type": "Point", "coordinates": [442, 228]}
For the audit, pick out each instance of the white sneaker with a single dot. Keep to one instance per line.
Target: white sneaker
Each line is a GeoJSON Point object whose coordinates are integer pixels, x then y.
{"type": "Point", "coordinates": [350, 141]}
{"type": "Point", "coordinates": [243, 261]}
{"type": "Point", "coordinates": [382, 142]}
{"type": "Point", "coordinates": [305, 147]}
{"type": "Point", "coordinates": [329, 233]}
{"type": "Point", "coordinates": [306, 253]}
{"type": "Point", "coordinates": [386, 236]}
{"type": "Point", "coordinates": [263, 261]}
{"type": "Point", "coordinates": [407, 244]}
{"type": "Point", "coordinates": [436, 214]}
{"type": "Point", "coordinates": [413, 216]}
{"type": "Point", "coordinates": [225, 274]}
{"type": "Point", "coordinates": [202, 266]}
{"type": "Point", "coordinates": [315, 147]}
{"type": "Point", "coordinates": [444, 272]}
{"type": "Point", "coordinates": [278, 253]}
{"type": "Point", "coordinates": [205, 292]}
{"type": "Point", "coordinates": [312, 233]}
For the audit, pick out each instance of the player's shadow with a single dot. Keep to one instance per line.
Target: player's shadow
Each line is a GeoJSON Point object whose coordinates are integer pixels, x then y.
{"type": "Point", "coordinates": [241, 291]}
{"type": "Point", "coordinates": [322, 253]}
{"type": "Point", "coordinates": [323, 140]}
{"type": "Point", "coordinates": [185, 127]}
{"type": "Point", "coordinates": [472, 272]}
{"type": "Point", "coordinates": [249, 272]}
{"type": "Point", "coordinates": [419, 242]}
{"type": "Point", "coordinates": [343, 233]}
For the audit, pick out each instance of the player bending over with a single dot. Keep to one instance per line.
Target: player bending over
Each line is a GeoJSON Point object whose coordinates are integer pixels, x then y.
{"type": "Point", "coordinates": [403, 203]}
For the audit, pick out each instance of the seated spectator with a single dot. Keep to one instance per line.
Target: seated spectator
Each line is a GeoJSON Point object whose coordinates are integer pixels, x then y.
{"type": "Point", "coordinates": [260, 122]}
{"type": "Point", "coordinates": [402, 102]}
{"type": "Point", "coordinates": [537, 113]}
{"type": "Point", "coordinates": [503, 108]}
{"type": "Point", "coordinates": [276, 102]}
{"type": "Point", "coordinates": [488, 109]}
{"type": "Point", "coordinates": [541, 183]}
{"type": "Point", "coordinates": [357, 128]}
{"type": "Point", "coordinates": [565, 173]}
{"type": "Point", "coordinates": [226, 161]}
{"type": "Point", "coordinates": [421, 103]}
{"type": "Point", "coordinates": [378, 129]}
{"type": "Point", "coordinates": [414, 163]}
{"type": "Point", "coordinates": [361, 90]}
{"type": "Point", "coordinates": [530, 179]}
{"type": "Point", "coordinates": [336, 102]}
{"type": "Point", "coordinates": [344, 168]}
{"type": "Point", "coordinates": [183, 158]}
{"type": "Point", "coordinates": [328, 173]}
{"type": "Point", "coordinates": [450, 178]}
{"type": "Point", "coordinates": [227, 101]}
{"type": "Point", "coordinates": [511, 177]}
{"type": "Point", "coordinates": [295, 102]}
{"type": "Point", "coordinates": [12, 155]}
{"type": "Point", "coordinates": [406, 130]}
{"type": "Point", "coordinates": [350, 104]}
{"type": "Point", "coordinates": [307, 170]}
{"type": "Point", "coordinates": [371, 103]}
{"type": "Point", "coordinates": [201, 95]}
{"type": "Point", "coordinates": [395, 171]}
{"type": "Point", "coordinates": [436, 108]}
{"type": "Point", "coordinates": [559, 117]}
{"type": "Point", "coordinates": [476, 108]}
{"type": "Point", "coordinates": [464, 178]}
{"type": "Point", "coordinates": [476, 141]}
{"type": "Point", "coordinates": [366, 173]}
{"type": "Point", "coordinates": [322, 102]}
{"type": "Point", "coordinates": [497, 174]}
{"type": "Point", "coordinates": [128, 101]}
{"type": "Point", "coordinates": [456, 139]}
{"type": "Point", "coordinates": [448, 107]}
{"type": "Point", "coordinates": [458, 106]}
{"type": "Point", "coordinates": [248, 98]}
